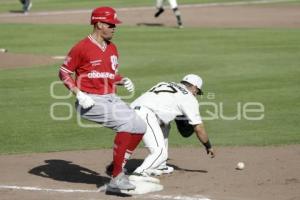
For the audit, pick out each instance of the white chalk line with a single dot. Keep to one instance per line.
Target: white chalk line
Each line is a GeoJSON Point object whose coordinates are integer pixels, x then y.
{"type": "Point", "coordinates": [66, 12]}
{"type": "Point", "coordinates": [11, 187]}
{"type": "Point", "coordinates": [177, 197]}
{"type": "Point", "coordinates": [58, 57]}
{"type": "Point", "coordinates": [237, 3]}
{"type": "Point", "coordinates": [101, 189]}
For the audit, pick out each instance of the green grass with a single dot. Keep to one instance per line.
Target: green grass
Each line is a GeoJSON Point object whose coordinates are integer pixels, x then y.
{"type": "Point", "coordinates": [38, 39]}
{"type": "Point", "coordinates": [42, 5]}
{"type": "Point", "coordinates": [237, 65]}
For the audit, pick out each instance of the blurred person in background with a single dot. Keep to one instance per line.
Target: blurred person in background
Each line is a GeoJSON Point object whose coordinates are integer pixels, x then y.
{"type": "Point", "coordinates": [174, 7]}
{"type": "Point", "coordinates": [27, 4]}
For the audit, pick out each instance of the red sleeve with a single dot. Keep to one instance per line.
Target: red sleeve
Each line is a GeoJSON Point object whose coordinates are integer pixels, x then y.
{"type": "Point", "coordinates": [71, 63]}
{"type": "Point", "coordinates": [66, 77]}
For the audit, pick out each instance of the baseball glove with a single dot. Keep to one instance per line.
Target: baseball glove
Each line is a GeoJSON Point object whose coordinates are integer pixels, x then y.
{"type": "Point", "coordinates": [183, 126]}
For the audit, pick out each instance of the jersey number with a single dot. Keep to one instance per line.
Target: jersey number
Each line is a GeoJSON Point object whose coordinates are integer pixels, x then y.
{"type": "Point", "coordinates": [163, 88]}
{"type": "Point", "coordinates": [114, 62]}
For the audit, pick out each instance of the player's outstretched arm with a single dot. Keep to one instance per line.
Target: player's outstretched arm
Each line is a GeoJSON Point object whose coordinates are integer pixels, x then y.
{"type": "Point", "coordinates": [203, 138]}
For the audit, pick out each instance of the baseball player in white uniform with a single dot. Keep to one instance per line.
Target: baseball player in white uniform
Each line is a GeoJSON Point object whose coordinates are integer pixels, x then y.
{"type": "Point", "coordinates": [174, 7]}
{"type": "Point", "coordinates": [158, 107]}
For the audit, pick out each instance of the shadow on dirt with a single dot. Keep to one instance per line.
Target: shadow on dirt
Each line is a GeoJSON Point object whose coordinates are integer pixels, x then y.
{"type": "Point", "coordinates": [134, 163]}
{"type": "Point", "coordinates": [150, 24]}
{"type": "Point", "coordinates": [62, 170]}
{"type": "Point", "coordinates": [188, 170]}
{"type": "Point", "coordinates": [16, 11]}
{"type": "Point", "coordinates": [117, 193]}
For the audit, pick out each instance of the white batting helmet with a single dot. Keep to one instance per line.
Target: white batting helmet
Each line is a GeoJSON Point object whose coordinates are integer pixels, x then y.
{"type": "Point", "coordinates": [194, 80]}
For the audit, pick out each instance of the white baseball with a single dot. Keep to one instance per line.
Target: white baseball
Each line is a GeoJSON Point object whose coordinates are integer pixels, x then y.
{"type": "Point", "coordinates": [240, 165]}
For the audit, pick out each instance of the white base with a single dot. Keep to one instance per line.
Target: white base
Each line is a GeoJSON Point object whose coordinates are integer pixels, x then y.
{"type": "Point", "coordinates": [141, 188]}
{"type": "Point", "coordinates": [133, 178]}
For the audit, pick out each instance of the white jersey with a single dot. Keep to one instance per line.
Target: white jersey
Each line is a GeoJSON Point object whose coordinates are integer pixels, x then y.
{"type": "Point", "coordinates": [168, 100]}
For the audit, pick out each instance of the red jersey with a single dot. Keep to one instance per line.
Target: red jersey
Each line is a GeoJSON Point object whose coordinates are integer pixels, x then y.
{"type": "Point", "coordinates": [95, 66]}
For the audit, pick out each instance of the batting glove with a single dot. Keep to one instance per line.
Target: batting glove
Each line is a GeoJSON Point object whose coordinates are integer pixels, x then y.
{"type": "Point", "coordinates": [84, 100]}
{"type": "Point", "coordinates": [128, 84]}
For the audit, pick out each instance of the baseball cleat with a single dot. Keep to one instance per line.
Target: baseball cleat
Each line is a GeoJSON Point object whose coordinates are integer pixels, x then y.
{"type": "Point", "coordinates": [153, 172]}
{"type": "Point", "coordinates": [166, 169]}
{"type": "Point", "coordinates": [121, 182]}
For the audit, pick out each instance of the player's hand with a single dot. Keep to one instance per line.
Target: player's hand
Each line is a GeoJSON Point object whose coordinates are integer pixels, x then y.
{"type": "Point", "coordinates": [84, 100]}
{"type": "Point", "coordinates": [128, 84]}
{"type": "Point", "coordinates": [211, 152]}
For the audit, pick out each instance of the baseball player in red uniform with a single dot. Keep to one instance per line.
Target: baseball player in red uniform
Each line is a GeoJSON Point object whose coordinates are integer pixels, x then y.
{"type": "Point", "coordinates": [94, 62]}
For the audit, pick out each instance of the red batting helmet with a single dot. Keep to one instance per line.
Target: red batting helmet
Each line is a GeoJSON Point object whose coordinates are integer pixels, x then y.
{"type": "Point", "coordinates": [104, 14]}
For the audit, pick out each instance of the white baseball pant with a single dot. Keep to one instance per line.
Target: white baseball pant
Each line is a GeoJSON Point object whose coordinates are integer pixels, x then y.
{"type": "Point", "coordinates": [154, 140]}
{"type": "Point", "coordinates": [173, 3]}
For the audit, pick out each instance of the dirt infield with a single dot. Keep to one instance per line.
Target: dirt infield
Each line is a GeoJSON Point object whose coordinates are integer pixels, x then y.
{"type": "Point", "coordinates": [13, 60]}
{"type": "Point", "coordinates": [193, 16]}
{"type": "Point", "coordinates": [271, 173]}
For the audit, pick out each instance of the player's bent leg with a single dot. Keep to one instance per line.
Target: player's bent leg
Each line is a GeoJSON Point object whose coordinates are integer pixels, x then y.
{"type": "Point", "coordinates": [159, 12]}
{"type": "Point", "coordinates": [119, 180]}
{"type": "Point", "coordinates": [157, 156]}
{"type": "Point", "coordinates": [154, 171]}
{"type": "Point", "coordinates": [129, 127]}
{"type": "Point", "coordinates": [159, 6]}
{"type": "Point", "coordinates": [121, 142]}
{"type": "Point", "coordinates": [164, 168]}
{"type": "Point", "coordinates": [154, 141]}
{"type": "Point", "coordinates": [178, 17]}
{"type": "Point", "coordinates": [143, 173]}
{"type": "Point", "coordinates": [134, 141]}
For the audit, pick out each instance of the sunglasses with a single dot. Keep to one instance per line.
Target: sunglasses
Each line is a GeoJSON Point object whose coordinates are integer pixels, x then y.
{"type": "Point", "coordinates": [109, 25]}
